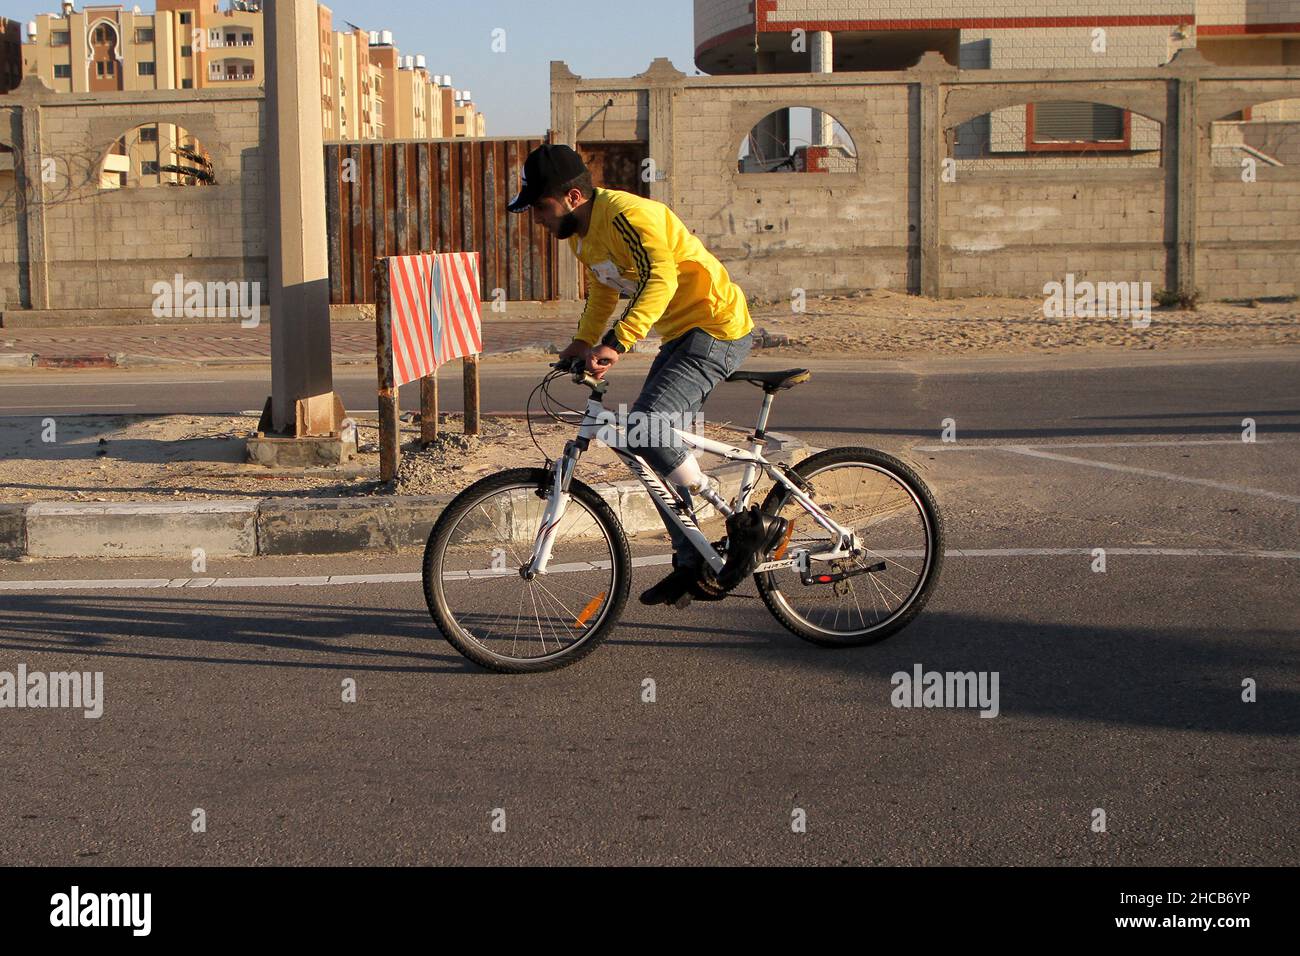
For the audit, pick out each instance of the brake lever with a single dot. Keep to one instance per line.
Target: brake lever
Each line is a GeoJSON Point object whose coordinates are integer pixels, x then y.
{"type": "Point", "coordinates": [577, 369]}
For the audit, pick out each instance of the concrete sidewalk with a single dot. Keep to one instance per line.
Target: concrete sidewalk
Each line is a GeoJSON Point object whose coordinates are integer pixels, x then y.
{"type": "Point", "coordinates": [228, 343]}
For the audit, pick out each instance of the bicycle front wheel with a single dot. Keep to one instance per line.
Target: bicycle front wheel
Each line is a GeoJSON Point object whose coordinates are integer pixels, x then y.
{"type": "Point", "coordinates": [900, 533]}
{"type": "Point", "coordinates": [492, 614]}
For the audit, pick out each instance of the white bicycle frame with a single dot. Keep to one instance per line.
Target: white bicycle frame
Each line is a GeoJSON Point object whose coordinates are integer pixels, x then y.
{"type": "Point", "coordinates": [596, 422]}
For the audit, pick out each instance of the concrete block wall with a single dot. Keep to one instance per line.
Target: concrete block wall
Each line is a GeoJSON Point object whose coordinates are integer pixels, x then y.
{"type": "Point", "coordinates": [1015, 236]}
{"type": "Point", "coordinates": [105, 248]}
{"type": "Point", "coordinates": [779, 231]}
{"type": "Point", "coordinates": [625, 120]}
{"type": "Point", "coordinates": [1248, 234]}
{"type": "Point", "coordinates": [9, 233]}
{"type": "Point", "coordinates": [992, 229]}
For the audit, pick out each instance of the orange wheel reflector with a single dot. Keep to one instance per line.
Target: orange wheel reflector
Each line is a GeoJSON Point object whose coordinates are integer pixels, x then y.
{"type": "Point", "coordinates": [785, 541]}
{"type": "Point", "coordinates": [589, 610]}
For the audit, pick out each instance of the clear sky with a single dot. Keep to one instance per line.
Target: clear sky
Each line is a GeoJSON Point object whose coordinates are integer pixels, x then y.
{"type": "Point", "coordinates": [595, 37]}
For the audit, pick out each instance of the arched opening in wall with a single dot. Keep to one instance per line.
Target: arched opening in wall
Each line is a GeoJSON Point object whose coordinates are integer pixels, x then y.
{"type": "Point", "coordinates": [797, 139]}
{"type": "Point", "coordinates": [155, 154]}
{"type": "Point", "coordinates": [1266, 134]}
{"type": "Point", "coordinates": [1067, 134]}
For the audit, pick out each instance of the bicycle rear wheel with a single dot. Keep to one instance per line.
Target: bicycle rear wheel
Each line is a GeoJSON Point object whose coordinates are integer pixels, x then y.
{"type": "Point", "coordinates": [901, 533]}
{"type": "Point", "coordinates": [494, 616]}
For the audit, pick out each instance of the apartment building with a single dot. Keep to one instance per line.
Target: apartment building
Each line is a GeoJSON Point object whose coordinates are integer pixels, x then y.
{"type": "Point", "coordinates": [368, 90]}
{"type": "Point", "coordinates": [11, 54]}
{"type": "Point", "coordinates": [184, 44]}
{"type": "Point", "coordinates": [824, 36]}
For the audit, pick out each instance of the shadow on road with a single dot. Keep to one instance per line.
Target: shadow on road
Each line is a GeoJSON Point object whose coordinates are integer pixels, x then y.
{"type": "Point", "coordinates": [1181, 678]}
{"type": "Point", "coordinates": [170, 628]}
{"type": "Point", "coordinates": [1175, 678]}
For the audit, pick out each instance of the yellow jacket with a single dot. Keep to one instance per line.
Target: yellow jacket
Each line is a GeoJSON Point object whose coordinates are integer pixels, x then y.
{"type": "Point", "coordinates": [639, 247]}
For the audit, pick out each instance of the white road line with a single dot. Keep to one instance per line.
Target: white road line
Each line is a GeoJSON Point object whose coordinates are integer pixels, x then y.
{"type": "Point", "coordinates": [955, 446]}
{"type": "Point", "coordinates": [64, 384]}
{"type": "Point", "coordinates": [337, 580]}
{"type": "Point", "coordinates": [1135, 552]}
{"type": "Point", "coordinates": [1130, 469]}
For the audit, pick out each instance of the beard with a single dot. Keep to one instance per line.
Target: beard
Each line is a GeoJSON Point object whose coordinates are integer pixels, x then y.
{"type": "Point", "coordinates": [567, 227]}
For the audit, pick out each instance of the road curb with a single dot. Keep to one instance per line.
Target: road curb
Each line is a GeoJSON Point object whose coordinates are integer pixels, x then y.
{"type": "Point", "coordinates": [131, 529]}
{"type": "Point", "coordinates": [286, 526]}
{"type": "Point", "coordinates": [13, 531]}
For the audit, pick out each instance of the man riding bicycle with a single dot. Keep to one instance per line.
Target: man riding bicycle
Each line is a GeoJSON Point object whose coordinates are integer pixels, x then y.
{"type": "Point", "coordinates": [676, 287]}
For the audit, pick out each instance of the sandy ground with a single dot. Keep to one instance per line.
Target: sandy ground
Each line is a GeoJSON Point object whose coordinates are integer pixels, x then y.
{"type": "Point", "coordinates": [152, 458]}
{"type": "Point", "coordinates": [879, 322]}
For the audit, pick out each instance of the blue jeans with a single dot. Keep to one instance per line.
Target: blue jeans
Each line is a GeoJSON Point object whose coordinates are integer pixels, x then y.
{"type": "Point", "coordinates": [680, 379]}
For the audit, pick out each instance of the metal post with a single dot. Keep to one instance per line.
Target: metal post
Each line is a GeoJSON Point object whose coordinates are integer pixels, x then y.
{"type": "Point", "coordinates": [429, 408]}
{"type": "Point", "coordinates": [470, 367]}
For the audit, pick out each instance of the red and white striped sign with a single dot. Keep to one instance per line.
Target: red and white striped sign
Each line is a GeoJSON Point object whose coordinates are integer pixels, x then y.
{"type": "Point", "coordinates": [457, 329]}
{"type": "Point", "coordinates": [434, 305]}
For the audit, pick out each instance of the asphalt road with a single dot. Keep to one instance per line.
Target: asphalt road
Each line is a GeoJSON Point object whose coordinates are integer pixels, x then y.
{"type": "Point", "coordinates": [1119, 691]}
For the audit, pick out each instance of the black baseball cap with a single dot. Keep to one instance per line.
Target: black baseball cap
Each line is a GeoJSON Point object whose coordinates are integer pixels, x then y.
{"type": "Point", "coordinates": [547, 166]}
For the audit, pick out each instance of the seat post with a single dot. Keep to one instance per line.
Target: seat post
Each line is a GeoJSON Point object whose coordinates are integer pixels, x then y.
{"type": "Point", "coordinates": [761, 428]}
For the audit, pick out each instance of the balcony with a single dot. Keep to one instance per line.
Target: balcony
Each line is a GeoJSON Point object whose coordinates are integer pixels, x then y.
{"type": "Point", "coordinates": [218, 72]}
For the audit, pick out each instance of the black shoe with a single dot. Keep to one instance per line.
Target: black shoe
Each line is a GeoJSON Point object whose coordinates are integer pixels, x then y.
{"type": "Point", "coordinates": [673, 589]}
{"type": "Point", "coordinates": [750, 535]}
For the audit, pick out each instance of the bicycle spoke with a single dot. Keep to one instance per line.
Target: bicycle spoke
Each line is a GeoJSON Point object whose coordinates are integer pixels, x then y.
{"type": "Point", "coordinates": [888, 524]}
{"type": "Point", "coordinates": [509, 616]}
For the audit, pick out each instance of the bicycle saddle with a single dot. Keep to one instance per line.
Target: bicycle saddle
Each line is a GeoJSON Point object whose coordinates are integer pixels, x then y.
{"type": "Point", "coordinates": [771, 381]}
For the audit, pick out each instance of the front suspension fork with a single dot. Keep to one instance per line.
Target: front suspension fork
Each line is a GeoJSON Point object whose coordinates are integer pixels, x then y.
{"type": "Point", "coordinates": [556, 504]}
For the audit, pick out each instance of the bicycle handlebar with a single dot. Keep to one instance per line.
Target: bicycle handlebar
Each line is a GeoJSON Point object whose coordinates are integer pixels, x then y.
{"type": "Point", "coordinates": [577, 367]}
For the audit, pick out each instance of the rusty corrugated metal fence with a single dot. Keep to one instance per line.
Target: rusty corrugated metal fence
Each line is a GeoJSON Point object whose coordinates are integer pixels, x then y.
{"type": "Point", "coordinates": [400, 197]}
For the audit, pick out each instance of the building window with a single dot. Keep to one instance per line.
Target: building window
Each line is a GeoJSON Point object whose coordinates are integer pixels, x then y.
{"type": "Point", "coordinates": [148, 134]}
{"type": "Point", "coordinates": [62, 71]}
{"type": "Point", "coordinates": [144, 35]}
{"type": "Point", "coordinates": [1074, 125]}
{"type": "Point", "coordinates": [103, 34]}
{"type": "Point", "coordinates": [149, 167]}
{"type": "Point", "coordinates": [185, 16]}
{"type": "Point", "coordinates": [246, 39]}
{"type": "Point", "coordinates": [146, 68]}
{"type": "Point", "coordinates": [60, 38]}
{"type": "Point", "coordinates": [187, 51]}
{"type": "Point", "coordinates": [105, 67]}
{"type": "Point", "coordinates": [187, 84]}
